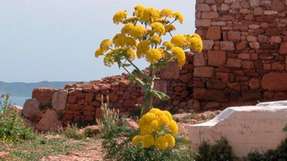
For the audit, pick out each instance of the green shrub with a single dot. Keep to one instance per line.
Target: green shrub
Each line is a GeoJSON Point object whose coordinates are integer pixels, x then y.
{"type": "Point", "coordinates": [220, 151]}
{"type": "Point", "coordinates": [279, 154]}
{"type": "Point", "coordinates": [12, 126]}
{"type": "Point", "coordinates": [73, 132]}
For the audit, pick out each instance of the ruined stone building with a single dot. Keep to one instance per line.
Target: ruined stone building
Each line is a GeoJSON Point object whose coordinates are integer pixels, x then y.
{"type": "Point", "coordinates": [244, 62]}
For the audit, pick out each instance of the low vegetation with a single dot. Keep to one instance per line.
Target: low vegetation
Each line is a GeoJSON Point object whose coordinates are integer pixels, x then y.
{"type": "Point", "coordinates": [122, 143]}
{"type": "Point", "coordinates": [279, 154]}
{"type": "Point", "coordinates": [21, 143]}
{"type": "Point", "coordinates": [12, 126]}
{"type": "Point", "coordinates": [220, 151]}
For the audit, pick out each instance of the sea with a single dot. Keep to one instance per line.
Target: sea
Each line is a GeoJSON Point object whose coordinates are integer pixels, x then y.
{"type": "Point", "coordinates": [18, 100]}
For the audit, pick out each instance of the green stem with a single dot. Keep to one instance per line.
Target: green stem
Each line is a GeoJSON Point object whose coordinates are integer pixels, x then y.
{"type": "Point", "coordinates": [148, 98]}
{"type": "Point", "coordinates": [138, 69]}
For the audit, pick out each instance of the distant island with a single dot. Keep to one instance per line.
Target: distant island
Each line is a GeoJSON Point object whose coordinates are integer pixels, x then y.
{"type": "Point", "coordinates": [21, 89]}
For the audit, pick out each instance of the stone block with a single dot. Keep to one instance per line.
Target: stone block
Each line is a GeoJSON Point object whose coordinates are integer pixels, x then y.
{"type": "Point", "coordinates": [283, 48]}
{"type": "Point", "coordinates": [199, 60]}
{"type": "Point", "coordinates": [44, 95]}
{"type": "Point", "coordinates": [209, 15]}
{"type": "Point", "coordinates": [227, 45]}
{"type": "Point", "coordinates": [213, 33]}
{"type": "Point", "coordinates": [206, 72]}
{"type": "Point", "coordinates": [31, 109]}
{"type": "Point", "coordinates": [246, 128]}
{"type": "Point", "coordinates": [274, 81]}
{"type": "Point", "coordinates": [234, 35]}
{"type": "Point", "coordinates": [171, 71]}
{"type": "Point", "coordinates": [208, 44]}
{"type": "Point", "coordinates": [236, 63]}
{"type": "Point", "coordinates": [202, 22]}
{"type": "Point", "coordinates": [216, 58]}
{"type": "Point", "coordinates": [59, 100]}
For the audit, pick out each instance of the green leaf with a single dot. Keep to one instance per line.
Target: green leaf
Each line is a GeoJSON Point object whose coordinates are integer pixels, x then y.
{"type": "Point", "coordinates": [160, 95]}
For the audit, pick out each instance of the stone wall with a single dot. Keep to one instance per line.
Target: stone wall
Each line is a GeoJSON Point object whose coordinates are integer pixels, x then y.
{"type": "Point", "coordinates": [245, 52]}
{"type": "Point", "coordinates": [244, 61]}
{"type": "Point", "coordinates": [84, 99]}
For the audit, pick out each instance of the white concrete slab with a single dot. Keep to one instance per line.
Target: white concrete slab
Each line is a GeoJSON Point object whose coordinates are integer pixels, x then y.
{"type": "Point", "coordinates": [247, 128]}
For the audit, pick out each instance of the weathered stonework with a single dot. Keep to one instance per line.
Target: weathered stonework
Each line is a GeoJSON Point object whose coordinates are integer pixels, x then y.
{"type": "Point", "coordinates": [244, 61]}
{"type": "Point", "coordinates": [249, 51]}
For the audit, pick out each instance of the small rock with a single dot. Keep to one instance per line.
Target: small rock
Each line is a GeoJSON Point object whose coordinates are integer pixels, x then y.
{"type": "Point", "coordinates": [132, 124]}
{"type": "Point", "coordinates": [93, 129]}
{"type": "Point", "coordinates": [49, 121]}
{"type": "Point", "coordinates": [3, 155]}
{"type": "Point", "coordinates": [31, 109]}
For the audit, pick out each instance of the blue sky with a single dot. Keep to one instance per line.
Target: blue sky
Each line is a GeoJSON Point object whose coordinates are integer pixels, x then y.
{"type": "Point", "coordinates": [55, 40]}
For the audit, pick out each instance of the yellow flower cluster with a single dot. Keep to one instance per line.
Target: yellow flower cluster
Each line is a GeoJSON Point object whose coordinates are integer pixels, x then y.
{"type": "Point", "coordinates": [158, 28]}
{"type": "Point", "coordinates": [142, 34]}
{"type": "Point", "coordinates": [120, 16]}
{"type": "Point", "coordinates": [154, 55]}
{"type": "Point", "coordinates": [158, 129]}
{"type": "Point", "coordinates": [193, 41]}
{"type": "Point", "coordinates": [136, 31]}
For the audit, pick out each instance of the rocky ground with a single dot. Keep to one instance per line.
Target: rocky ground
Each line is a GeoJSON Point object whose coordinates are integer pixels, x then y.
{"type": "Point", "coordinates": [90, 152]}
{"type": "Point", "coordinates": [57, 147]}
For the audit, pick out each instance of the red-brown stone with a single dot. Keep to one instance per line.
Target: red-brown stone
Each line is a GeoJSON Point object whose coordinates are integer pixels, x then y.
{"type": "Point", "coordinates": [216, 58]}
{"type": "Point", "coordinates": [283, 48]}
{"type": "Point", "coordinates": [213, 33]}
{"type": "Point", "coordinates": [274, 81]}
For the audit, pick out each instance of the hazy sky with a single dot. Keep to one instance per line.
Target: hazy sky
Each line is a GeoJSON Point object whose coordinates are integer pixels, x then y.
{"type": "Point", "coordinates": [55, 40]}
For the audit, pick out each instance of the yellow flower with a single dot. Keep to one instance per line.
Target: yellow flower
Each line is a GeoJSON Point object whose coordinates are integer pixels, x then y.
{"type": "Point", "coordinates": [127, 28]}
{"type": "Point", "coordinates": [142, 48]}
{"type": "Point", "coordinates": [168, 44]}
{"type": "Point", "coordinates": [179, 40]}
{"type": "Point", "coordinates": [105, 44]}
{"type": "Point", "coordinates": [138, 31]}
{"type": "Point", "coordinates": [154, 55]}
{"type": "Point", "coordinates": [156, 39]}
{"type": "Point", "coordinates": [148, 117]}
{"type": "Point", "coordinates": [156, 111]}
{"type": "Point", "coordinates": [180, 55]}
{"type": "Point", "coordinates": [99, 52]}
{"type": "Point", "coordinates": [137, 140]}
{"type": "Point", "coordinates": [151, 14]}
{"type": "Point", "coordinates": [169, 27]}
{"type": "Point", "coordinates": [195, 42]}
{"type": "Point", "coordinates": [148, 141]}
{"type": "Point", "coordinates": [158, 27]}
{"type": "Point", "coordinates": [179, 16]}
{"type": "Point", "coordinates": [134, 30]}
{"type": "Point", "coordinates": [120, 40]}
{"type": "Point", "coordinates": [139, 10]}
{"type": "Point", "coordinates": [119, 16]}
{"type": "Point", "coordinates": [161, 143]}
{"type": "Point", "coordinates": [131, 53]}
{"type": "Point", "coordinates": [154, 124]}
{"type": "Point", "coordinates": [173, 127]}
{"type": "Point", "coordinates": [166, 13]}
{"type": "Point", "coordinates": [170, 140]}
{"type": "Point", "coordinates": [146, 129]}
{"type": "Point", "coordinates": [168, 114]}
{"type": "Point", "coordinates": [163, 119]}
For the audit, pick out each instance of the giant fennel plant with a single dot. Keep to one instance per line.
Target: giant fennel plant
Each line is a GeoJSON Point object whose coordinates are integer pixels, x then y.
{"type": "Point", "coordinates": [148, 34]}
